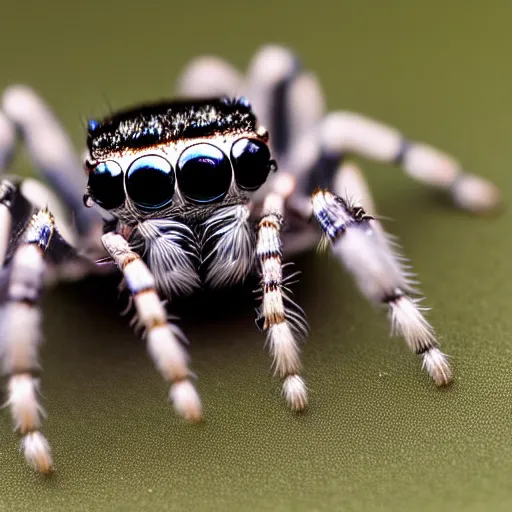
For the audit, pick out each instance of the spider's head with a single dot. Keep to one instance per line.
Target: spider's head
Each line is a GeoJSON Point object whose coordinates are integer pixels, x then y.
{"type": "Point", "coordinates": [177, 154]}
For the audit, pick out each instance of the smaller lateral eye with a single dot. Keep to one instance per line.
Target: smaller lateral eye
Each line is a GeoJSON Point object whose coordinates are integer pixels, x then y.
{"type": "Point", "coordinates": [251, 163]}
{"type": "Point", "coordinates": [105, 185]}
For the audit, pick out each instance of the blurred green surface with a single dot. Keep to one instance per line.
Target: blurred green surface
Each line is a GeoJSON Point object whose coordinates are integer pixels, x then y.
{"type": "Point", "coordinates": [378, 435]}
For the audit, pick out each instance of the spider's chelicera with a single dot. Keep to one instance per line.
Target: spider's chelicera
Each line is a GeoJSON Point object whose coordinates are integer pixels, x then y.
{"type": "Point", "coordinates": [184, 194]}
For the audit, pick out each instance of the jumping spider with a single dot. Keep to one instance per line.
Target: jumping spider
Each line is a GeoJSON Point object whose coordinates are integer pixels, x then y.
{"type": "Point", "coordinates": [185, 194]}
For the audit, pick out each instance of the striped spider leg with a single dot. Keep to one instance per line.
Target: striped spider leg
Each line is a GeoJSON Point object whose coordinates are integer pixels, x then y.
{"type": "Point", "coordinates": [20, 329]}
{"type": "Point", "coordinates": [34, 243]}
{"type": "Point", "coordinates": [311, 143]}
{"type": "Point", "coordinates": [164, 340]}
{"type": "Point", "coordinates": [39, 230]}
{"type": "Point", "coordinates": [312, 146]}
{"type": "Point", "coordinates": [358, 241]}
{"type": "Point", "coordinates": [283, 320]}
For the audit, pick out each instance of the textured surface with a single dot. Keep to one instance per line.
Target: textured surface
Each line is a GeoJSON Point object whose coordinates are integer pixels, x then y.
{"type": "Point", "coordinates": [165, 122]}
{"type": "Point", "coordinates": [378, 435]}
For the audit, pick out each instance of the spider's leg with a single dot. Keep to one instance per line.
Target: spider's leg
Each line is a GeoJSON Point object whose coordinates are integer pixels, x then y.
{"type": "Point", "coordinates": [371, 256]}
{"type": "Point", "coordinates": [287, 100]}
{"type": "Point", "coordinates": [8, 192]}
{"type": "Point", "coordinates": [349, 183]}
{"type": "Point", "coordinates": [7, 141]}
{"type": "Point", "coordinates": [282, 319]}
{"type": "Point", "coordinates": [209, 76]}
{"type": "Point", "coordinates": [163, 339]}
{"type": "Point", "coordinates": [50, 149]}
{"type": "Point", "coordinates": [316, 157]}
{"type": "Point", "coordinates": [21, 334]}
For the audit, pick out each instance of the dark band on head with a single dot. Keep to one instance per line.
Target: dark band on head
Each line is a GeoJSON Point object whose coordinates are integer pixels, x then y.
{"type": "Point", "coordinates": [165, 122]}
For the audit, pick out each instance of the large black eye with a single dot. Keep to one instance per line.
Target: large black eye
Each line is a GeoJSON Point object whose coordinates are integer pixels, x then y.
{"type": "Point", "coordinates": [204, 173]}
{"type": "Point", "coordinates": [150, 182]}
{"type": "Point", "coordinates": [251, 163]}
{"type": "Point", "coordinates": [106, 185]}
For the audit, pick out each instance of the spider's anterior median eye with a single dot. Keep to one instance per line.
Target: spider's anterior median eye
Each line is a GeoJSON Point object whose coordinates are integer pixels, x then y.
{"type": "Point", "coordinates": [150, 182]}
{"type": "Point", "coordinates": [106, 185]}
{"type": "Point", "coordinates": [204, 173]}
{"type": "Point", "coordinates": [251, 162]}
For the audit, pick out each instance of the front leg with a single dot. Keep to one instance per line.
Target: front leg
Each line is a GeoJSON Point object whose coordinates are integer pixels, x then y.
{"type": "Point", "coordinates": [360, 243]}
{"type": "Point", "coordinates": [163, 339]}
{"type": "Point", "coordinates": [284, 326]}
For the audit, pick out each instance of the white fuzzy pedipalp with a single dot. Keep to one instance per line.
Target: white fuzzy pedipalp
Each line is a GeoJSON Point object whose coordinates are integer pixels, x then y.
{"type": "Point", "coordinates": [171, 254]}
{"type": "Point", "coordinates": [232, 256]}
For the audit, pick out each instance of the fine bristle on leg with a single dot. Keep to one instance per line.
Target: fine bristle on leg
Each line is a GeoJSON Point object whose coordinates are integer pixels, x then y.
{"type": "Point", "coordinates": [437, 366]}
{"type": "Point", "coordinates": [349, 183]}
{"type": "Point", "coordinates": [382, 274]}
{"type": "Point", "coordinates": [20, 336]}
{"type": "Point", "coordinates": [295, 392]}
{"type": "Point", "coordinates": [408, 321]}
{"type": "Point", "coordinates": [163, 339]}
{"type": "Point", "coordinates": [285, 327]}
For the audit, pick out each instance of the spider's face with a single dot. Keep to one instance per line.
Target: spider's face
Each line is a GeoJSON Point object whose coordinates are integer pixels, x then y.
{"type": "Point", "coordinates": [174, 155]}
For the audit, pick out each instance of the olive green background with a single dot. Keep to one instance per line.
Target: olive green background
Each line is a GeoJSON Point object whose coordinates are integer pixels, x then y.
{"type": "Point", "coordinates": [378, 434]}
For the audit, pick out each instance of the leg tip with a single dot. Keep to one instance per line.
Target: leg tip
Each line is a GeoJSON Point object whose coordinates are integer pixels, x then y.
{"type": "Point", "coordinates": [436, 364]}
{"type": "Point", "coordinates": [476, 194]}
{"type": "Point", "coordinates": [295, 392]}
{"type": "Point", "coordinates": [37, 452]}
{"type": "Point", "coordinates": [186, 401]}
